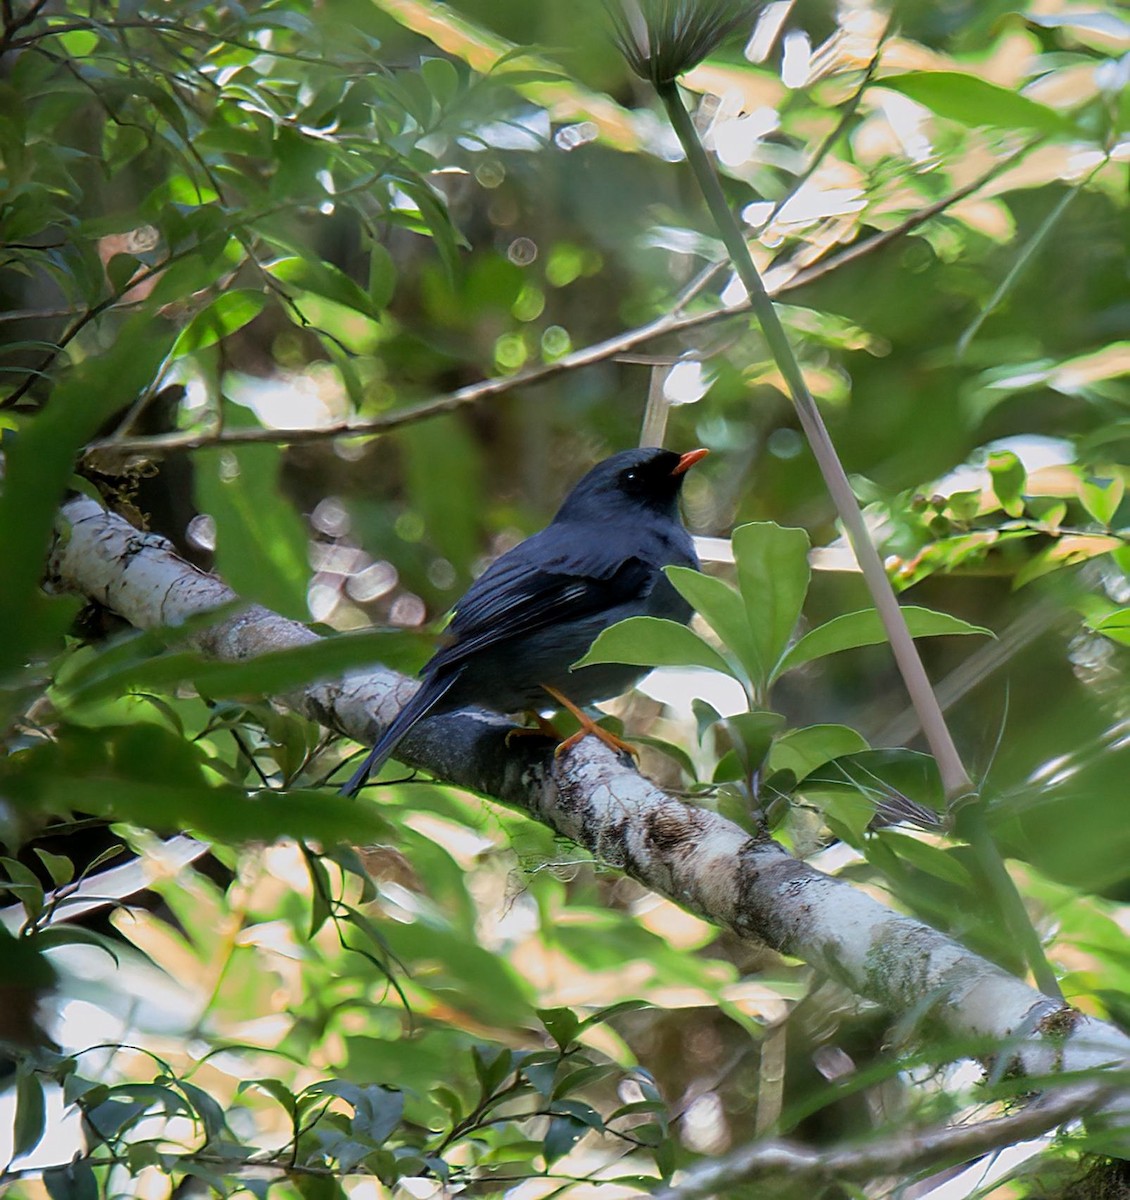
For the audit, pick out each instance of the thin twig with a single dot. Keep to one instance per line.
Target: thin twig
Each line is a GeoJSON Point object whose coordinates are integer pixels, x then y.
{"type": "Point", "coordinates": [900, 1154]}
{"type": "Point", "coordinates": [669, 323]}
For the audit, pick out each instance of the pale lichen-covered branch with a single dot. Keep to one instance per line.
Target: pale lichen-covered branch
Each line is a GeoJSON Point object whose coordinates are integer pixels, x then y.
{"type": "Point", "coordinates": [691, 854]}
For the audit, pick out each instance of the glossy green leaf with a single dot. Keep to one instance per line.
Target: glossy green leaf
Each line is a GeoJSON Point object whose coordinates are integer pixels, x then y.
{"type": "Point", "coordinates": [563, 1134]}
{"type": "Point", "coordinates": [974, 101]}
{"type": "Point", "coordinates": [1115, 625]}
{"type": "Point", "coordinates": [773, 577]}
{"type": "Point", "coordinates": [848, 812]}
{"type": "Point", "coordinates": [150, 776]}
{"type": "Point", "coordinates": [926, 857]}
{"type": "Point", "coordinates": [31, 1114]}
{"type": "Point", "coordinates": [229, 312]}
{"type": "Point", "coordinates": [722, 608]}
{"type": "Point", "coordinates": [653, 642]}
{"type": "Point", "coordinates": [441, 78]}
{"type": "Point", "coordinates": [751, 735]}
{"type": "Point", "coordinates": [326, 280]}
{"type": "Point", "coordinates": [562, 1024]}
{"type": "Point", "coordinates": [1008, 476]}
{"type": "Point", "coordinates": [864, 628]}
{"type": "Point", "coordinates": [803, 750]}
{"type": "Point", "coordinates": [1102, 497]}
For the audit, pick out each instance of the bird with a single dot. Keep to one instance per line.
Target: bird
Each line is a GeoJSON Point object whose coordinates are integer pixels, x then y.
{"type": "Point", "coordinates": [536, 610]}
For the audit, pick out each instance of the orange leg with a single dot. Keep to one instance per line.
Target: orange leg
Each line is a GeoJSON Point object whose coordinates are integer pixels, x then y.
{"type": "Point", "coordinates": [588, 725]}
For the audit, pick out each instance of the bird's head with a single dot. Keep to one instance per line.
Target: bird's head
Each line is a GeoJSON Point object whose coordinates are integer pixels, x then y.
{"type": "Point", "coordinates": [648, 479]}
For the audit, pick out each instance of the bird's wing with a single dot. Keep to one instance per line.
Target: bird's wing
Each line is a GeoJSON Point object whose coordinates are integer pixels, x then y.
{"type": "Point", "coordinates": [548, 579]}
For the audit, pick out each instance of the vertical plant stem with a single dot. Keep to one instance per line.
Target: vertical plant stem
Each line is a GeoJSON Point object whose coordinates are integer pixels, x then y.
{"type": "Point", "coordinates": [972, 824]}
{"type": "Point", "coordinates": [955, 779]}
{"type": "Point", "coordinates": [654, 428]}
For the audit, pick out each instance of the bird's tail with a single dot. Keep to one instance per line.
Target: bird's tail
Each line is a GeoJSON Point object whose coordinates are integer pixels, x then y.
{"type": "Point", "coordinates": [427, 696]}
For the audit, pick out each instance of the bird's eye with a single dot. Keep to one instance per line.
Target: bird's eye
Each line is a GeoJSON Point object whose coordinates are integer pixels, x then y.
{"type": "Point", "coordinates": [631, 476]}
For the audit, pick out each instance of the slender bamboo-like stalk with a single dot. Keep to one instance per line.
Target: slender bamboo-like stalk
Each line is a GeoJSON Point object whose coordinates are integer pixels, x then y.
{"type": "Point", "coordinates": [955, 779]}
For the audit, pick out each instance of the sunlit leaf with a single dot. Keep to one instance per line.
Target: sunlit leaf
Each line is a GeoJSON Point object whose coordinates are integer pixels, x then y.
{"type": "Point", "coordinates": [974, 101]}
{"type": "Point", "coordinates": [229, 312]}
{"type": "Point", "coordinates": [653, 642]}
{"type": "Point", "coordinates": [722, 608]}
{"type": "Point", "coordinates": [1008, 476]}
{"type": "Point", "coordinates": [773, 576]}
{"type": "Point", "coordinates": [1101, 498]}
{"type": "Point", "coordinates": [864, 628]}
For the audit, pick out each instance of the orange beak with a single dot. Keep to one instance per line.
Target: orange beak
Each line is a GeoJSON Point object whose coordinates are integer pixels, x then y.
{"type": "Point", "coordinates": [688, 460]}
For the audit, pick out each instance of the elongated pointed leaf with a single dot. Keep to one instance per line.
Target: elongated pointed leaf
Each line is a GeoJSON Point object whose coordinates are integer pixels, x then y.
{"type": "Point", "coordinates": [722, 608]}
{"type": "Point", "coordinates": [773, 576]}
{"type": "Point", "coordinates": [974, 101]}
{"type": "Point", "coordinates": [863, 628]}
{"type": "Point", "coordinates": [654, 642]}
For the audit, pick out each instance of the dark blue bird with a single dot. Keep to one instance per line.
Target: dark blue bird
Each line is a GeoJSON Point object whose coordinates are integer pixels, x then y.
{"type": "Point", "coordinates": [536, 610]}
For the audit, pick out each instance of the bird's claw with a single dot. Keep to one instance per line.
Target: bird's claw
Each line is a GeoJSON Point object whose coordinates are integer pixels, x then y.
{"type": "Point", "coordinates": [605, 735]}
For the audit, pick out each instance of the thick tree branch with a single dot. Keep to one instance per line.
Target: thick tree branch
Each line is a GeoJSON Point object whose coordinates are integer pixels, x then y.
{"type": "Point", "coordinates": [691, 855]}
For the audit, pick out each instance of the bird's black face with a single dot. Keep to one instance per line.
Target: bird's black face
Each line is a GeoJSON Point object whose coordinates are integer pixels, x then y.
{"type": "Point", "coordinates": [648, 479]}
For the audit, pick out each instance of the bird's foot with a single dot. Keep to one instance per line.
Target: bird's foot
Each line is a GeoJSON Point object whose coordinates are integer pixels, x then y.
{"type": "Point", "coordinates": [542, 728]}
{"type": "Point", "coordinates": [588, 725]}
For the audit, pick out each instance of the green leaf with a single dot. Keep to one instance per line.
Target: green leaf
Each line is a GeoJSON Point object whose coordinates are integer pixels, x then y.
{"type": "Point", "coordinates": [147, 775]}
{"type": "Point", "coordinates": [260, 540]}
{"type": "Point", "coordinates": [1115, 625]}
{"type": "Point", "coordinates": [209, 1111]}
{"type": "Point", "coordinates": [267, 674]}
{"type": "Point", "coordinates": [563, 1134]}
{"type": "Point", "coordinates": [901, 783]}
{"type": "Point", "coordinates": [61, 869]}
{"type": "Point", "coordinates": [722, 608]}
{"type": "Point", "coordinates": [1101, 498]}
{"type": "Point", "coordinates": [382, 277]}
{"type": "Point", "coordinates": [75, 1181]}
{"type": "Point", "coordinates": [931, 859]}
{"type": "Point", "coordinates": [585, 1113]}
{"type": "Point", "coordinates": [1008, 476]}
{"type": "Point", "coordinates": [62, 934]}
{"type": "Point", "coordinates": [653, 642]}
{"type": "Point", "coordinates": [773, 577]}
{"type": "Point", "coordinates": [326, 280]}
{"type": "Point", "coordinates": [442, 79]}
{"type": "Point", "coordinates": [31, 1115]}
{"type": "Point", "coordinates": [751, 734]}
{"type": "Point", "coordinates": [863, 628]}
{"type": "Point", "coordinates": [974, 101]}
{"type": "Point", "coordinates": [229, 312]}
{"type": "Point", "coordinates": [803, 750]}
{"type": "Point", "coordinates": [583, 1077]}
{"type": "Point", "coordinates": [562, 1024]}
{"type": "Point", "coordinates": [492, 1065]}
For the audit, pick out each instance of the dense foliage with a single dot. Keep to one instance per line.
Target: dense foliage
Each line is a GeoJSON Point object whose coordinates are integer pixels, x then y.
{"type": "Point", "coordinates": [231, 232]}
